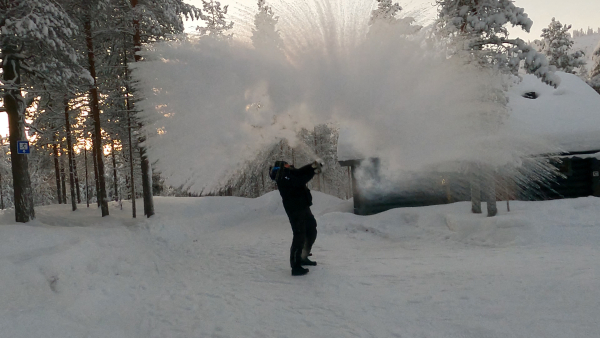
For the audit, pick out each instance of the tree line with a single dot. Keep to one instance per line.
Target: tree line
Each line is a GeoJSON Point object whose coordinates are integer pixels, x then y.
{"type": "Point", "coordinates": [66, 85]}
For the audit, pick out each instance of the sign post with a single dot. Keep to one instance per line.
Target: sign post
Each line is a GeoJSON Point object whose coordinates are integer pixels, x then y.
{"type": "Point", "coordinates": [22, 147]}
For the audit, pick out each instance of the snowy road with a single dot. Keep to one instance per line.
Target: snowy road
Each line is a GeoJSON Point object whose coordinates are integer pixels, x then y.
{"type": "Point", "coordinates": [218, 267]}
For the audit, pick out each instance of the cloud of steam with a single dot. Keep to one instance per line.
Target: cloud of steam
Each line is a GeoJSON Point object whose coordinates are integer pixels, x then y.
{"type": "Point", "coordinates": [210, 105]}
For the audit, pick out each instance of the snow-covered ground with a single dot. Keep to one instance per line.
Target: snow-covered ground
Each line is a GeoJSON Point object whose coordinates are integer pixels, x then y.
{"type": "Point", "coordinates": [218, 267]}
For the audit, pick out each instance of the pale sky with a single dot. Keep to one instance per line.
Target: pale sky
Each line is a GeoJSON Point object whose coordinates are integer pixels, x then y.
{"type": "Point", "coordinates": [578, 13]}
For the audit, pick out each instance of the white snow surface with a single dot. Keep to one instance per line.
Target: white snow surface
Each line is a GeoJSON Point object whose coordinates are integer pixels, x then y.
{"type": "Point", "coordinates": [218, 267]}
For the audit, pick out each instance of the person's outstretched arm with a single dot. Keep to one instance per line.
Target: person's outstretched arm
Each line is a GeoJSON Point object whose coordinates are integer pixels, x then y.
{"type": "Point", "coordinates": [299, 177]}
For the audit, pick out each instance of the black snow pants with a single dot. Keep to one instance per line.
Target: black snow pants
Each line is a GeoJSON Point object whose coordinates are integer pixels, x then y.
{"type": "Point", "coordinates": [304, 227]}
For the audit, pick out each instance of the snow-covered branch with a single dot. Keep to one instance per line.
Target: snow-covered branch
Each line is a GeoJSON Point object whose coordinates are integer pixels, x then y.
{"type": "Point", "coordinates": [479, 28]}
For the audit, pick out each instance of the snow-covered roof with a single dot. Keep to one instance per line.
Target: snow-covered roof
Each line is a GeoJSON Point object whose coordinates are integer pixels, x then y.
{"type": "Point", "coordinates": [568, 116]}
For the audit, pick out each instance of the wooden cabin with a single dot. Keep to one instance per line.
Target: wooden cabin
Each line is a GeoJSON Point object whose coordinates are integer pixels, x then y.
{"type": "Point", "coordinates": [568, 117]}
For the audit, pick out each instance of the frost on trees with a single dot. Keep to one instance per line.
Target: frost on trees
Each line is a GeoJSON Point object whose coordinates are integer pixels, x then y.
{"type": "Point", "coordinates": [265, 35]}
{"type": "Point", "coordinates": [556, 44]}
{"type": "Point", "coordinates": [160, 18]}
{"type": "Point", "coordinates": [36, 48]}
{"type": "Point", "coordinates": [385, 16]}
{"type": "Point", "coordinates": [252, 179]}
{"type": "Point", "coordinates": [478, 27]}
{"type": "Point", "coordinates": [214, 17]}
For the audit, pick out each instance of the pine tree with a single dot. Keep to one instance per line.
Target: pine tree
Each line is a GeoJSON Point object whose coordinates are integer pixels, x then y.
{"type": "Point", "coordinates": [95, 110]}
{"type": "Point", "coordinates": [36, 48]}
{"type": "Point", "coordinates": [214, 17]}
{"type": "Point", "coordinates": [386, 15]}
{"type": "Point", "coordinates": [160, 18]}
{"type": "Point", "coordinates": [115, 33]}
{"type": "Point", "coordinates": [385, 11]}
{"type": "Point", "coordinates": [264, 34]}
{"type": "Point", "coordinates": [556, 44]}
{"type": "Point", "coordinates": [478, 27]}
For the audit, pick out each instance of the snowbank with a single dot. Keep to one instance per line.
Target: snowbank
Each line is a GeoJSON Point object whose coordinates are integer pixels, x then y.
{"type": "Point", "coordinates": [218, 267]}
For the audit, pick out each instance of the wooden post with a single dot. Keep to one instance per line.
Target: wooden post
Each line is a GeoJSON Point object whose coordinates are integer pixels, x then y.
{"type": "Point", "coordinates": [506, 183]}
{"type": "Point", "coordinates": [349, 193]}
{"type": "Point", "coordinates": [475, 183]}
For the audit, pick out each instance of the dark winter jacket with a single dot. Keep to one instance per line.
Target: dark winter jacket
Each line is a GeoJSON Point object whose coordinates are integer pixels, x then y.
{"type": "Point", "coordinates": [291, 183]}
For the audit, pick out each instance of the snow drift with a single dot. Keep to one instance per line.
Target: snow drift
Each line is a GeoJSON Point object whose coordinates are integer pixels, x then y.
{"type": "Point", "coordinates": [218, 267]}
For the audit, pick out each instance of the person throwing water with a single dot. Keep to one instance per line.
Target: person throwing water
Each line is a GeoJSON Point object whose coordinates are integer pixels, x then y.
{"type": "Point", "coordinates": [297, 199]}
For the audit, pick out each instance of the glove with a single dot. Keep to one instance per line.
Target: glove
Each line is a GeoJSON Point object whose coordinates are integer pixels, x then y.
{"type": "Point", "coordinates": [318, 166]}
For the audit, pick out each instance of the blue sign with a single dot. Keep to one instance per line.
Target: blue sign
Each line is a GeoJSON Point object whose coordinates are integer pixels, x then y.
{"type": "Point", "coordinates": [22, 147]}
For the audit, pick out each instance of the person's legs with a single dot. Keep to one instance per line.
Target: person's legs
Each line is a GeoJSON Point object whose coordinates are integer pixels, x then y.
{"type": "Point", "coordinates": [299, 231]}
{"type": "Point", "coordinates": [311, 233]}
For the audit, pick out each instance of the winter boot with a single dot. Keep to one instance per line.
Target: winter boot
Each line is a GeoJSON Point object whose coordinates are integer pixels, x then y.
{"type": "Point", "coordinates": [304, 257]}
{"type": "Point", "coordinates": [299, 271]}
{"type": "Point", "coordinates": [306, 261]}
